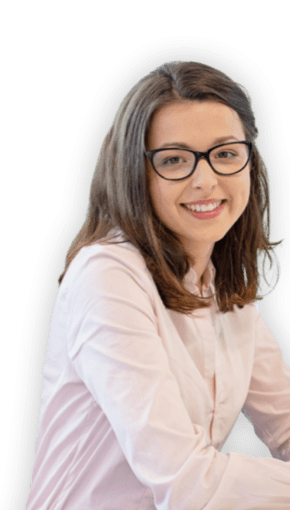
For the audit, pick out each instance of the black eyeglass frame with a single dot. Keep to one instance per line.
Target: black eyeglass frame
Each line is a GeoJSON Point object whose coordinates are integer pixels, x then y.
{"type": "Point", "coordinates": [199, 155]}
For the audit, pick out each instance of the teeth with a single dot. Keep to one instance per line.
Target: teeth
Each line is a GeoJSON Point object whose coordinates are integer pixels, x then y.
{"type": "Point", "coordinates": [203, 207]}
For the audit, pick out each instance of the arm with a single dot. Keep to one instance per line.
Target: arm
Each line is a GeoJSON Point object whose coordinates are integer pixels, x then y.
{"type": "Point", "coordinates": [268, 401]}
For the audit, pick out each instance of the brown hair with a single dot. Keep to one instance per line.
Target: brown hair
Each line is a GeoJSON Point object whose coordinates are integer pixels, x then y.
{"type": "Point", "coordinates": [119, 196]}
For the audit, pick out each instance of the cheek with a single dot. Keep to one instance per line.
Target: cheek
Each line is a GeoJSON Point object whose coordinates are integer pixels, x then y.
{"type": "Point", "coordinates": [247, 186]}
{"type": "Point", "coordinates": [239, 189]}
{"type": "Point", "coordinates": [244, 191]}
{"type": "Point", "coordinates": [157, 197]}
{"type": "Point", "coordinates": [155, 193]}
{"type": "Point", "coordinates": [160, 193]}
{"type": "Point", "coordinates": [164, 199]}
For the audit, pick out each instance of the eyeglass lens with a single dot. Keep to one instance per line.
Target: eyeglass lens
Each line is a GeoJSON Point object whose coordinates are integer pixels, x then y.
{"type": "Point", "coordinates": [178, 163]}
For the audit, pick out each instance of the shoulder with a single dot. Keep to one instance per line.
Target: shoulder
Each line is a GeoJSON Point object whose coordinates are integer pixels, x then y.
{"type": "Point", "coordinates": [108, 265]}
{"type": "Point", "coordinates": [240, 323]}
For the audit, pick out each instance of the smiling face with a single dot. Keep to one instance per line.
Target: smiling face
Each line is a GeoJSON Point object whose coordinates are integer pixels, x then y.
{"type": "Point", "coordinates": [199, 125]}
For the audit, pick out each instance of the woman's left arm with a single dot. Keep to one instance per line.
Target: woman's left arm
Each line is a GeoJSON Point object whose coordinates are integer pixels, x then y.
{"type": "Point", "coordinates": [268, 400]}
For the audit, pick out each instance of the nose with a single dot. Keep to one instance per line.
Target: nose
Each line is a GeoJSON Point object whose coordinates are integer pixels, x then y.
{"type": "Point", "coordinates": [203, 175]}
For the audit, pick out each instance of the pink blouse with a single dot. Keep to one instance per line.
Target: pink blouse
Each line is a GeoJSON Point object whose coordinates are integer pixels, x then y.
{"type": "Point", "coordinates": [138, 399]}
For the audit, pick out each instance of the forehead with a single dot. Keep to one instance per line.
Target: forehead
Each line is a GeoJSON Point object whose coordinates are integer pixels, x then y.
{"type": "Point", "coordinates": [195, 123]}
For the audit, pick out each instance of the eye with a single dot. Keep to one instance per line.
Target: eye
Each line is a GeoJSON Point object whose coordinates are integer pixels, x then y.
{"type": "Point", "coordinates": [226, 154]}
{"type": "Point", "coordinates": [173, 160]}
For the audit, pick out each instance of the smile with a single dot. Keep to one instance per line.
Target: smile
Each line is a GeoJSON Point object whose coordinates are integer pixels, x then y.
{"type": "Point", "coordinates": [203, 207]}
{"type": "Point", "coordinates": [206, 211]}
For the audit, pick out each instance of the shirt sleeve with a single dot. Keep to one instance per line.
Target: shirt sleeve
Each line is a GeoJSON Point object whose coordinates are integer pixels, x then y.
{"type": "Point", "coordinates": [268, 401]}
{"type": "Point", "coordinates": [114, 346]}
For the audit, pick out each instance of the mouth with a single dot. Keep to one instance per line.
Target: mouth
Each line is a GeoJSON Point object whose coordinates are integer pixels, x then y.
{"type": "Point", "coordinates": [199, 208]}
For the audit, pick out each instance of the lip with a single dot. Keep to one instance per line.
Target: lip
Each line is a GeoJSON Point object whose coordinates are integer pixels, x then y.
{"type": "Point", "coordinates": [204, 201]}
{"type": "Point", "coordinates": [207, 215]}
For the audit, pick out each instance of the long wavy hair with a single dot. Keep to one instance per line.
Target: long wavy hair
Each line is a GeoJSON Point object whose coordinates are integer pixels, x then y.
{"type": "Point", "coordinates": [120, 198]}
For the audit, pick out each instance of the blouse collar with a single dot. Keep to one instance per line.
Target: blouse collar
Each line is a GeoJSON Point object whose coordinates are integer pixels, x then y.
{"type": "Point", "coordinates": [191, 278]}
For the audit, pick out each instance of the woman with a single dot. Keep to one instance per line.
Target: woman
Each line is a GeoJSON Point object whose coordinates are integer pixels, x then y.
{"type": "Point", "coordinates": [156, 344]}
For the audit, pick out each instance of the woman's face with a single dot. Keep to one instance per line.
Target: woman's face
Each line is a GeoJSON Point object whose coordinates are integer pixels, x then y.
{"type": "Point", "coordinates": [199, 125]}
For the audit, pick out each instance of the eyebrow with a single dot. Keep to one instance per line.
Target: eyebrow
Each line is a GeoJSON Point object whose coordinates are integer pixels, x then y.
{"type": "Point", "coordinates": [185, 146]}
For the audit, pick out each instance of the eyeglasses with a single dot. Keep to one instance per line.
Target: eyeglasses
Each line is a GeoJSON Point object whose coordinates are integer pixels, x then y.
{"type": "Point", "coordinates": [175, 164]}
